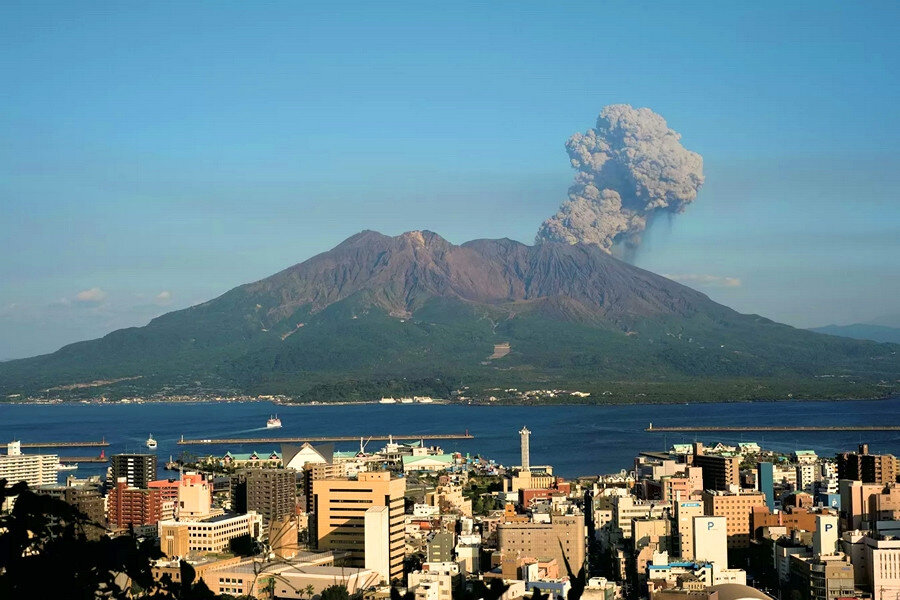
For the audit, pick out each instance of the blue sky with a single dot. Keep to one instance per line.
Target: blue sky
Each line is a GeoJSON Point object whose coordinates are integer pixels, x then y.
{"type": "Point", "coordinates": [155, 155]}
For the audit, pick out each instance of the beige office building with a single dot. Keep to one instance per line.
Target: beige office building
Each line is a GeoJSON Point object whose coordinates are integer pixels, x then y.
{"type": "Point", "coordinates": [209, 535]}
{"type": "Point", "coordinates": [340, 507]}
{"type": "Point", "coordinates": [542, 540]}
{"type": "Point", "coordinates": [737, 508]}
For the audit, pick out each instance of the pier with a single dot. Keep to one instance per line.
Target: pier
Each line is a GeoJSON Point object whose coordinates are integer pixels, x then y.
{"type": "Point", "coordinates": [728, 428]}
{"type": "Point", "coordinates": [101, 444]}
{"type": "Point", "coordinates": [317, 440]}
{"type": "Point", "coordinates": [82, 459]}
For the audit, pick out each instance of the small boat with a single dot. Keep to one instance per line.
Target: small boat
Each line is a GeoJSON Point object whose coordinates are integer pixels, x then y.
{"type": "Point", "coordinates": [151, 443]}
{"type": "Point", "coordinates": [273, 422]}
{"type": "Point", "coordinates": [66, 467]}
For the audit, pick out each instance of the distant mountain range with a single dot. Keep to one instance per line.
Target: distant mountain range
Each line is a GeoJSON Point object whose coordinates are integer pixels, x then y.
{"type": "Point", "coordinates": [415, 313]}
{"type": "Point", "coordinates": [863, 331]}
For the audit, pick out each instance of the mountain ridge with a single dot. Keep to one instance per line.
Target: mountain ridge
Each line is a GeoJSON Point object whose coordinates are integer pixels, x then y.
{"type": "Point", "coordinates": [379, 308]}
{"type": "Point", "coordinates": [863, 331]}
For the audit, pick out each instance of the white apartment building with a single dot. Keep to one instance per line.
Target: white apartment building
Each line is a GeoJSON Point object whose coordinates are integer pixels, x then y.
{"type": "Point", "coordinates": [434, 581]}
{"type": "Point", "coordinates": [33, 469]}
{"type": "Point", "coordinates": [883, 566]}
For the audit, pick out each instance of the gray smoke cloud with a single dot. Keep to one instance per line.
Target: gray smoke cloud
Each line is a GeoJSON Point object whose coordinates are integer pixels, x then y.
{"type": "Point", "coordinates": [629, 168]}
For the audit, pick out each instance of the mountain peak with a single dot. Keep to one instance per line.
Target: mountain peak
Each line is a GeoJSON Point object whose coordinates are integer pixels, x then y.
{"type": "Point", "coordinates": [415, 305]}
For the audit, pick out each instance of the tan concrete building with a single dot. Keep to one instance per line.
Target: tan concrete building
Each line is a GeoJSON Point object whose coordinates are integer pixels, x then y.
{"type": "Point", "coordinates": [209, 535]}
{"type": "Point", "coordinates": [737, 507]}
{"type": "Point", "coordinates": [450, 499]}
{"type": "Point", "coordinates": [203, 567]}
{"type": "Point", "coordinates": [542, 540]}
{"type": "Point", "coordinates": [340, 507]}
{"type": "Point", "coordinates": [284, 537]}
{"type": "Point", "coordinates": [821, 577]}
{"type": "Point", "coordinates": [173, 539]}
{"type": "Point", "coordinates": [194, 497]}
{"type": "Point", "coordinates": [685, 511]}
{"type": "Point", "coordinates": [684, 486]}
{"type": "Point", "coordinates": [856, 501]}
{"type": "Point", "coordinates": [626, 508]}
{"type": "Point", "coordinates": [885, 506]}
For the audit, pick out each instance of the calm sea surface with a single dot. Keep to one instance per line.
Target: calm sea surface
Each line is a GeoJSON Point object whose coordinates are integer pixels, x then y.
{"type": "Point", "coordinates": [576, 440]}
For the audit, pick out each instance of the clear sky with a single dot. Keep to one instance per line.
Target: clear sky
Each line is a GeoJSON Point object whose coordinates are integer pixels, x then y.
{"type": "Point", "coordinates": [154, 155]}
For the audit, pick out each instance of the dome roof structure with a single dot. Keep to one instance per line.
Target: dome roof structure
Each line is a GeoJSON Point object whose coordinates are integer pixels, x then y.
{"type": "Point", "coordinates": [736, 591]}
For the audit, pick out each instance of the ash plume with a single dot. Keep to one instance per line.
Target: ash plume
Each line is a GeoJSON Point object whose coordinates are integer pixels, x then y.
{"type": "Point", "coordinates": [630, 168]}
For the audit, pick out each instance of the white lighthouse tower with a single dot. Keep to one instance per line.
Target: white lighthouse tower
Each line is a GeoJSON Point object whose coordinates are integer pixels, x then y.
{"type": "Point", "coordinates": [526, 457]}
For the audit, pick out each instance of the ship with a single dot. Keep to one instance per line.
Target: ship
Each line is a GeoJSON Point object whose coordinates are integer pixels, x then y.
{"type": "Point", "coordinates": [273, 422]}
{"type": "Point", "coordinates": [151, 443]}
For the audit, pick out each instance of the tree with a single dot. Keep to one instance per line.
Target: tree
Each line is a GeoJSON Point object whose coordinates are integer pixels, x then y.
{"type": "Point", "coordinates": [45, 552]}
{"type": "Point", "coordinates": [335, 592]}
{"type": "Point", "coordinates": [243, 545]}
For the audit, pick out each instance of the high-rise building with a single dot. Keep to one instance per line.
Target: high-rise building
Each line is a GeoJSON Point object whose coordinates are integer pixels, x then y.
{"type": "Point", "coordinates": [526, 455]}
{"type": "Point", "coordinates": [340, 507]}
{"type": "Point", "coordinates": [737, 507]}
{"type": "Point", "coordinates": [272, 492]}
{"type": "Point", "coordinates": [134, 506]}
{"type": "Point", "coordinates": [33, 469]}
{"type": "Point", "coordinates": [868, 468]}
{"type": "Point", "coordinates": [168, 489]}
{"type": "Point", "coordinates": [719, 472]}
{"type": "Point", "coordinates": [137, 469]}
{"type": "Point", "coordinates": [685, 511]}
{"type": "Point", "coordinates": [765, 483]}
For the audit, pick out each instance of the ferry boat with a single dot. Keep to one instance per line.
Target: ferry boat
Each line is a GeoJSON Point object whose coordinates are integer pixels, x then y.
{"type": "Point", "coordinates": [273, 422]}
{"type": "Point", "coordinates": [151, 443]}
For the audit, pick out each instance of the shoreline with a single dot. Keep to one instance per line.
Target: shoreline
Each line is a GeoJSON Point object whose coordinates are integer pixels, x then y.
{"type": "Point", "coordinates": [195, 401]}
